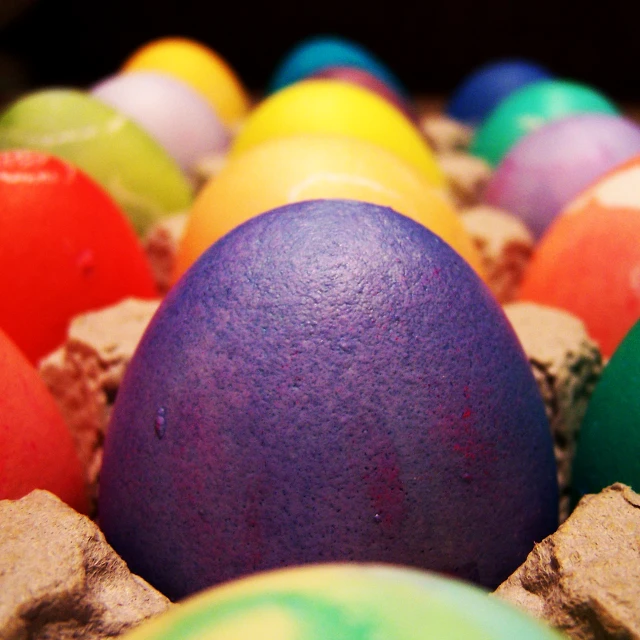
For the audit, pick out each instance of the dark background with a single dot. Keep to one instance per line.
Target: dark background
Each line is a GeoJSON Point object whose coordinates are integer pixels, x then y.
{"type": "Point", "coordinates": [430, 45]}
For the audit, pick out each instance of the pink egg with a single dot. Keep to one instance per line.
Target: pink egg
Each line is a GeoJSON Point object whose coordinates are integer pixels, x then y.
{"type": "Point", "coordinates": [168, 109]}
{"type": "Point", "coordinates": [367, 80]}
{"type": "Point", "coordinates": [553, 164]}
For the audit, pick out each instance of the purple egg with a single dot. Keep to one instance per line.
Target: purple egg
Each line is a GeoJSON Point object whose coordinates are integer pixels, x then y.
{"type": "Point", "coordinates": [368, 81]}
{"type": "Point", "coordinates": [329, 382]}
{"type": "Point", "coordinates": [553, 164]}
{"type": "Point", "coordinates": [180, 119]}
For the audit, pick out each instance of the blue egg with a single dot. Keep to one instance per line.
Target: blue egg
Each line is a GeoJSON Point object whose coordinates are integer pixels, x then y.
{"type": "Point", "coordinates": [485, 88]}
{"type": "Point", "coordinates": [321, 52]}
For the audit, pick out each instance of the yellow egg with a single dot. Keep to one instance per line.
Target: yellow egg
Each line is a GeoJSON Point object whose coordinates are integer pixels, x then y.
{"type": "Point", "coordinates": [199, 67]}
{"type": "Point", "coordinates": [307, 167]}
{"type": "Point", "coordinates": [335, 107]}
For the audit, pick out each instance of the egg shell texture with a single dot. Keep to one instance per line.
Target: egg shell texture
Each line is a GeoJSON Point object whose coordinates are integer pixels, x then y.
{"type": "Point", "coordinates": [329, 381]}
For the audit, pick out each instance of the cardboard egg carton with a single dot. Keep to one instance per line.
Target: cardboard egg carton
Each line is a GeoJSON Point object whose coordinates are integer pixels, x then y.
{"type": "Point", "coordinates": [505, 245]}
{"type": "Point", "coordinates": [85, 373]}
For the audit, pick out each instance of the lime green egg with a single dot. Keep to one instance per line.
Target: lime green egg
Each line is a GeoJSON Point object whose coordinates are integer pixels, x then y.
{"type": "Point", "coordinates": [344, 602]}
{"type": "Point", "coordinates": [139, 175]}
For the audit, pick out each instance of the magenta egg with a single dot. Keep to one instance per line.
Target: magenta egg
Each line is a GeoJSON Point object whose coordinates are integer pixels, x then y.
{"type": "Point", "coordinates": [553, 164]}
{"type": "Point", "coordinates": [168, 109]}
{"type": "Point", "coordinates": [368, 81]}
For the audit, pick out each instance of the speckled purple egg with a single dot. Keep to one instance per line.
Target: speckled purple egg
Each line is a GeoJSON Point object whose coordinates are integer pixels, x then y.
{"type": "Point", "coordinates": [329, 381]}
{"type": "Point", "coordinates": [179, 118]}
{"type": "Point", "coordinates": [553, 164]}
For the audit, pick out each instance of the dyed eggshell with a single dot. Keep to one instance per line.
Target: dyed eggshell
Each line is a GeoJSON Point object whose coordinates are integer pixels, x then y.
{"type": "Point", "coordinates": [138, 173]}
{"type": "Point", "coordinates": [530, 107]}
{"type": "Point", "coordinates": [588, 261]}
{"type": "Point", "coordinates": [345, 601]}
{"type": "Point", "coordinates": [608, 446]}
{"type": "Point", "coordinates": [66, 248]}
{"type": "Point", "coordinates": [330, 381]}
{"type": "Point", "coordinates": [298, 168]}
{"type": "Point", "coordinates": [318, 53]}
{"type": "Point", "coordinates": [550, 166]}
{"type": "Point", "coordinates": [338, 108]}
{"type": "Point", "coordinates": [176, 115]}
{"type": "Point", "coordinates": [367, 80]}
{"type": "Point", "coordinates": [483, 90]}
{"type": "Point", "coordinates": [36, 448]}
{"type": "Point", "coordinates": [201, 68]}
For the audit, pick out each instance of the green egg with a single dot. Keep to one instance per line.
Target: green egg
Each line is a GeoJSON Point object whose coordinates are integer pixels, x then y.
{"type": "Point", "coordinates": [344, 602]}
{"type": "Point", "coordinates": [608, 448]}
{"type": "Point", "coordinates": [140, 176]}
{"type": "Point", "coordinates": [531, 107]}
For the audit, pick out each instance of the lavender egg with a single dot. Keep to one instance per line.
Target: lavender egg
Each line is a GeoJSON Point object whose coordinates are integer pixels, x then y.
{"type": "Point", "coordinates": [553, 164]}
{"type": "Point", "coordinates": [168, 109]}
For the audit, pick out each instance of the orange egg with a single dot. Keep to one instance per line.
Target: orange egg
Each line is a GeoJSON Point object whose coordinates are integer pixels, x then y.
{"type": "Point", "coordinates": [36, 448]}
{"type": "Point", "coordinates": [588, 261]}
{"type": "Point", "coordinates": [307, 167]}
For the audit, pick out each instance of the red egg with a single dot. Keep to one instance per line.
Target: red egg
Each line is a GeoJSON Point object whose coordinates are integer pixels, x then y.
{"type": "Point", "coordinates": [588, 261]}
{"type": "Point", "coordinates": [65, 248]}
{"type": "Point", "coordinates": [36, 448]}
